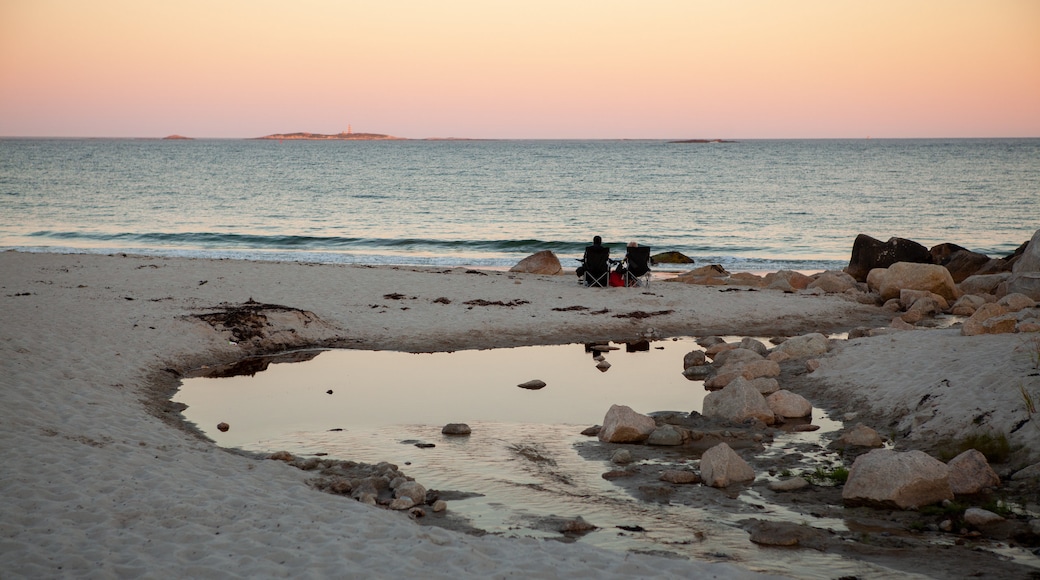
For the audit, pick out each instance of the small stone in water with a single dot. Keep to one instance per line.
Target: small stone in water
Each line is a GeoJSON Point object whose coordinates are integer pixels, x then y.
{"type": "Point", "coordinates": [223, 427]}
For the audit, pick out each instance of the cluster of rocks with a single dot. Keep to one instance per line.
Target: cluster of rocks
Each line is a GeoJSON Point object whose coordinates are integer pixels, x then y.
{"type": "Point", "coordinates": [381, 484]}
{"type": "Point", "coordinates": [743, 380]}
{"type": "Point", "coordinates": [996, 295]}
{"type": "Point", "coordinates": [909, 480]}
{"type": "Point", "coordinates": [745, 391]}
{"type": "Point", "coordinates": [743, 377]}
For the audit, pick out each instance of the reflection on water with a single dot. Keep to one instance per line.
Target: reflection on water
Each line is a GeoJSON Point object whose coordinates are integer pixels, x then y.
{"type": "Point", "coordinates": [521, 458]}
{"type": "Point", "coordinates": [353, 389]}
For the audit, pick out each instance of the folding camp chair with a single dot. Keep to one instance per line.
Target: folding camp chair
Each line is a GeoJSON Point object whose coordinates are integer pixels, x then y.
{"type": "Point", "coordinates": [637, 266]}
{"type": "Point", "coordinates": [597, 266]}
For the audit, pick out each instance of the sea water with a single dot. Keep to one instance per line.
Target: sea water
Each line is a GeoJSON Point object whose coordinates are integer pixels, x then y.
{"type": "Point", "coordinates": [749, 205]}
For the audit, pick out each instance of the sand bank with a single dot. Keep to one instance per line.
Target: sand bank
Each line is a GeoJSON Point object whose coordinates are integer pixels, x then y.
{"type": "Point", "coordinates": [100, 480]}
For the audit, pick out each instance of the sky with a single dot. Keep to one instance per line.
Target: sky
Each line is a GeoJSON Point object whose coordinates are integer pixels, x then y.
{"type": "Point", "coordinates": [536, 69]}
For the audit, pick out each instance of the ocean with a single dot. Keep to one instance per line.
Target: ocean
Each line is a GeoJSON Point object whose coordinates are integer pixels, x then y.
{"type": "Point", "coordinates": [757, 205]}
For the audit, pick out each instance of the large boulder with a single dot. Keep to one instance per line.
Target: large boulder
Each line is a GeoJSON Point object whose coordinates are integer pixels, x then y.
{"type": "Point", "coordinates": [970, 473]}
{"type": "Point", "coordinates": [990, 318]}
{"type": "Point", "coordinates": [813, 344]}
{"type": "Point", "coordinates": [739, 401]}
{"type": "Point", "coordinates": [721, 467]}
{"type": "Point", "coordinates": [623, 425]}
{"type": "Point", "coordinates": [833, 282]}
{"type": "Point", "coordinates": [983, 283]}
{"type": "Point", "coordinates": [869, 253]}
{"type": "Point", "coordinates": [904, 480]}
{"type": "Point", "coordinates": [787, 280]}
{"type": "Point", "coordinates": [915, 276]}
{"type": "Point", "coordinates": [786, 404]}
{"type": "Point", "coordinates": [1025, 274]}
{"type": "Point", "coordinates": [670, 258]}
{"type": "Point", "coordinates": [544, 262]}
{"type": "Point", "coordinates": [964, 264]}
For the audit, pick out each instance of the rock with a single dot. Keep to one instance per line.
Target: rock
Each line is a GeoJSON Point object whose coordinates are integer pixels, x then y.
{"type": "Point", "coordinates": [623, 425]}
{"type": "Point", "coordinates": [833, 282]}
{"type": "Point", "coordinates": [978, 517]}
{"type": "Point", "coordinates": [749, 370]}
{"type": "Point", "coordinates": [707, 341]}
{"type": "Point", "coordinates": [925, 307]}
{"type": "Point", "coordinates": [908, 298]}
{"type": "Point", "coordinates": [792, 484]}
{"type": "Point", "coordinates": [1027, 473]}
{"type": "Point", "coordinates": [716, 349]}
{"type": "Point", "coordinates": [282, 456]}
{"type": "Point", "coordinates": [983, 284]}
{"type": "Point", "coordinates": [456, 429]}
{"type": "Point", "coordinates": [991, 318]}
{"type": "Point", "coordinates": [223, 427]}
{"type": "Point", "coordinates": [710, 275]}
{"type": "Point", "coordinates": [970, 473]}
{"type": "Point", "coordinates": [860, 436]}
{"type": "Point", "coordinates": [899, 323]}
{"type": "Point", "coordinates": [769, 533]}
{"type": "Point", "coordinates": [694, 358]}
{"type": "Point", "coordinates": [544, 262]}
{"type": "Point", "coordinates": [963, 264]}
{"type": "Point", "coordinates": [765, 385]}
{"type": "Point", "coordinates": [576, 526]}
{"type": "Point", "coordinates": [789, 405]}
{"type": "Point", "coordinates": [808, 345]}
{"type": "Point", "coordinates": [812, 364]}
{"type": "Point", "coordinates": [666, 435]}
{"type": "Point", "coordinates": [787, 280]}
{"type": "Point", "coordinates": [591, 431]}
{"type": "Point", "coordinates": [914, 276]}
{"type": "Point", "coordinates": [874, 279]}
{"type": "Point", "coordinates": [413, 490]}
{"type": "Point", "coordinates": [967, 305]}
{"type": "Point", "coordinates": [1015, 302]}
{"type": "Point", "coordinates": [754, 345]}
{"type": "Point", "coordinates": [603, 365]}
{"type": "Point", "coordinates": [905, 480]}
{"type": "Point", "coordinates": [734, 356]}
{"type": "Point", "coordinates": [721, 467]}
{"type": "Point", "coordinates": [678, 476]}
{"type": "Point", "coordinates": [621, 457]}
{"type": "Point", "coordinates": [737, 402]}
{"type": "Point", "coordinates": [699, 373]}
{"type": "Point", "coordinates": [670, 258]}
{"type": "Point", "coordinates": [1025, 274]}
{"type": "Point", "coordinates": [711, 271]}
{"type": "Point", "coordinates": [869, 253]}
{"type": "Point", "coordinates": [533, 385]}
{"type": "Point", "coordinates": [401, 503]}
{"type": "Point", "coordinates": [439, 506]}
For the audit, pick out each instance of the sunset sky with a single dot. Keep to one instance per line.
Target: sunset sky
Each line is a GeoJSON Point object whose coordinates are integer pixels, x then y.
{"type": "Point", "coordinates": [532, 69]}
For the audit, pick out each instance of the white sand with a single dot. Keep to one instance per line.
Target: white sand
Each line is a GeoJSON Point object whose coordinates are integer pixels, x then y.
{"type": "Point", "coordinates": [95, 484]}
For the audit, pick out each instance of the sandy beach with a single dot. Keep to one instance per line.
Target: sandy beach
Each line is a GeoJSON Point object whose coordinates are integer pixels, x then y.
{"type": "Point", "coordinates": [102, 480]}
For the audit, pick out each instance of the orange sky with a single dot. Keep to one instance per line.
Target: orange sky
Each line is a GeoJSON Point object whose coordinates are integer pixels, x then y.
{"type": "Point", "coordinates": [531, 69]}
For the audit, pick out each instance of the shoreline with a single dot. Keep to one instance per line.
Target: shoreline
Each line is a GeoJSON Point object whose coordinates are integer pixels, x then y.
{"type": "Point", "coordinates": [94, 345]}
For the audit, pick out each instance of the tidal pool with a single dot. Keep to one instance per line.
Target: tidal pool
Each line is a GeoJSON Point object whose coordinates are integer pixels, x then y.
{"type": "Point", "coordinates": [522, 462]}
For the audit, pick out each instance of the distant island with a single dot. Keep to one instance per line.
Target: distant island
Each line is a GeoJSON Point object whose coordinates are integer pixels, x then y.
{"type": "Point", "coordinates": [703, 141]}
{"type": "Point", "coordinates": [176, 137]}
{"type": "Point", "coordinates": [344, 136]}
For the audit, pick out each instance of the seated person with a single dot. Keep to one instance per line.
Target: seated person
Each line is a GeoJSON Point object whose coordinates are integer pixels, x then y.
{"type": "Point", "coordinates": [637, 263]}
{"type": "Point", "coordinates": [595, 264]}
